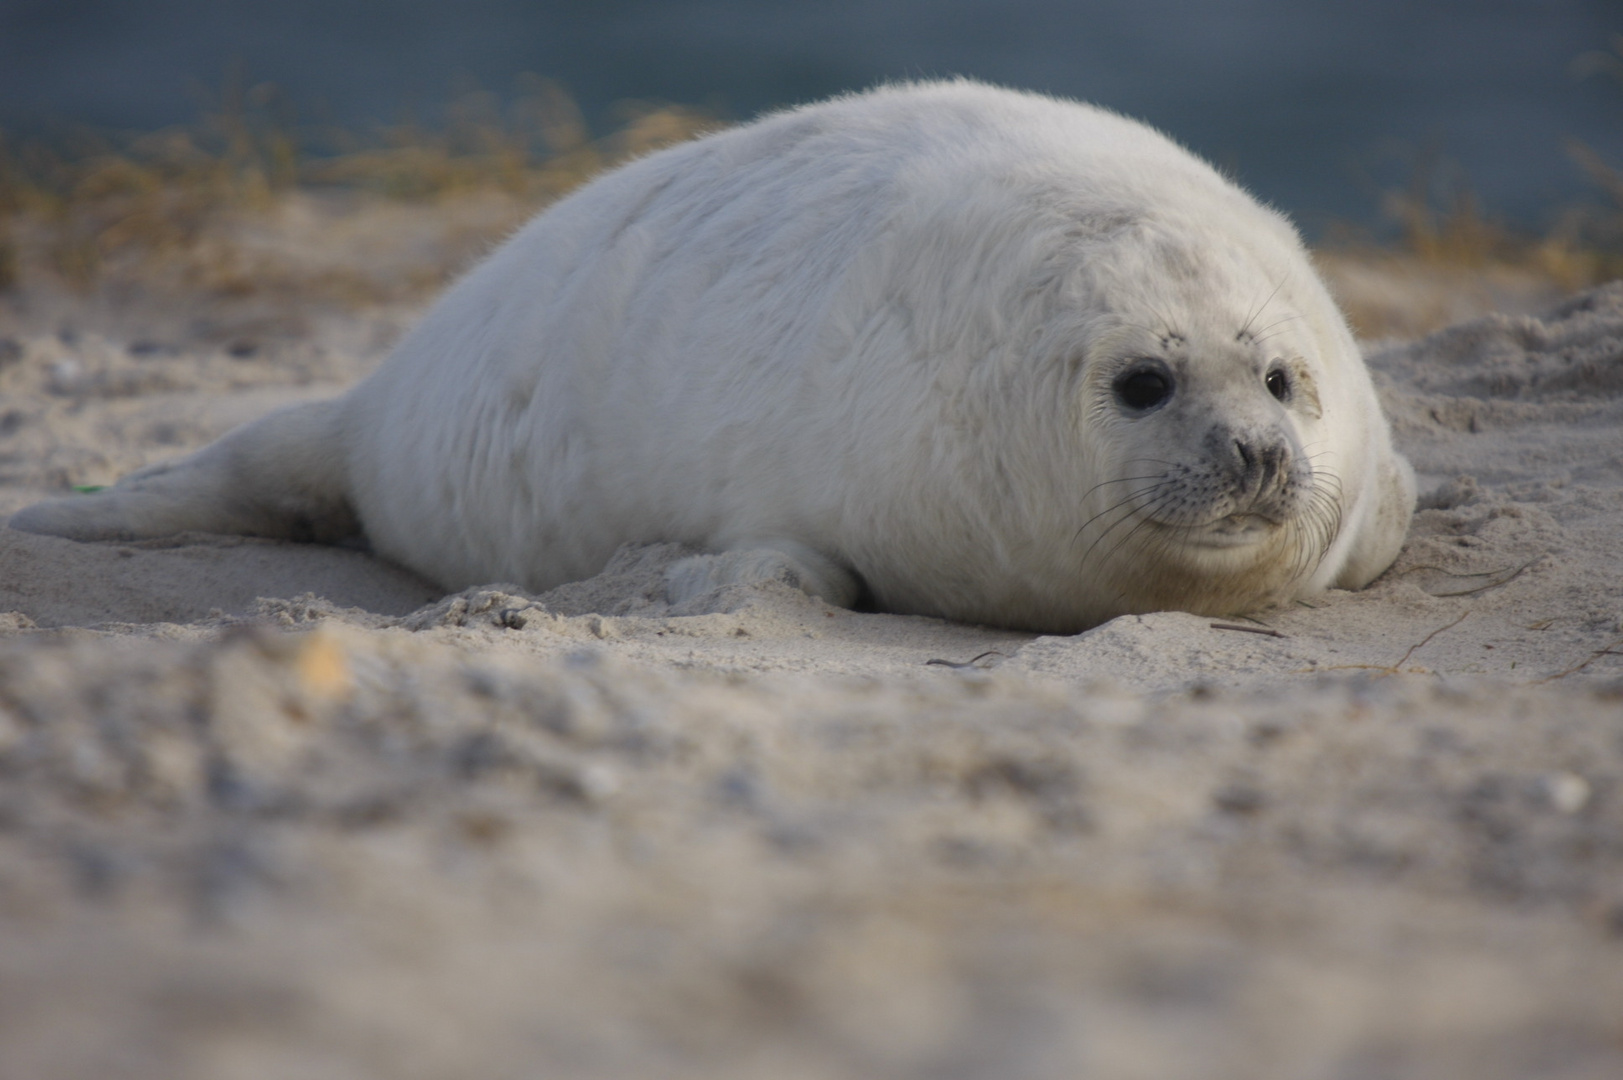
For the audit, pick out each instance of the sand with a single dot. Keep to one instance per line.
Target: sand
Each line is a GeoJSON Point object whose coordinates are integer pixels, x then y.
{"type": "Point", "coordinates": [272, 810]}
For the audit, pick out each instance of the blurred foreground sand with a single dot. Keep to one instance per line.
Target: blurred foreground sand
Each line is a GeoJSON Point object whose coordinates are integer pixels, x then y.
{"type": "Point", "coordinates": [270, 810]}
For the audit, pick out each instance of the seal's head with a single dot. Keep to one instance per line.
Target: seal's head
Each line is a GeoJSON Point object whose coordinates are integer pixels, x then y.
{"type": "Point", "coordinates": [1108, 386]}
{"type": "Point", "coordinates": [1207, 379]}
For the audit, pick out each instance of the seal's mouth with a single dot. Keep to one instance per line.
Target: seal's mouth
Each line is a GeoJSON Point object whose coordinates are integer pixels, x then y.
{"type": "Point", "coordinates": [1236, 530]}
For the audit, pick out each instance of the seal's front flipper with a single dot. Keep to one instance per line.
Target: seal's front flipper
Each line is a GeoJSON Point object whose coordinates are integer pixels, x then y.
{"type": "Point", "coordinates": [282, 476]}
{"type": "Point", "coordinates": [1385, 526]}
{"type": "Point", "coordinates": [787, 561]}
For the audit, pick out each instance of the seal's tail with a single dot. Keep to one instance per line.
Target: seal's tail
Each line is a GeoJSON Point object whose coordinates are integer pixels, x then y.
{"type": "Point", "coordinates": [282, 476]}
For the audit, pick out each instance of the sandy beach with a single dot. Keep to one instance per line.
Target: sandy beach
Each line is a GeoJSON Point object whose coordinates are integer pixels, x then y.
{"type": "Point", "coordinates": [273, 810]}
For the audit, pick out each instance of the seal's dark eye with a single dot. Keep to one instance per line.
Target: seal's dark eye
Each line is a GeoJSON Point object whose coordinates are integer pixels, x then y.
{"type": "Point", "coordinates": [1143, 388]}
{"type": "Point", "coordinates": [1278, 384]}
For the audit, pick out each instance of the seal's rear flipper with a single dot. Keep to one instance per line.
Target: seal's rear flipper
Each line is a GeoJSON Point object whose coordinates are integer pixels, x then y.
{"type": "Point", "coordinates": [282, 476]}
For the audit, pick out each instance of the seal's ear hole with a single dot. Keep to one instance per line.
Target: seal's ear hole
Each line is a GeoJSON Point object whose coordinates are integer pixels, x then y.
{"type": "Point", "coordinates": [1278, 383]}
{"type": "Point", "coordinates": [1143, 387]}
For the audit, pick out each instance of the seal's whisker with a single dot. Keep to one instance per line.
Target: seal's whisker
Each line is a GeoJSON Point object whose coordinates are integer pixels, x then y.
{"type": "Point", "coordinates": [1118, 480]}
{"type": "Point", "coordinates": [1270, 330]}
{"type": "Point", "coordinates": [1145, 509]}
{"type": "Point", "coordinates": [1128, 505]}
{"type": "Point", "coordinates": [1144, 521]}
{"type": "Point", "coordinates": [1245, 327]}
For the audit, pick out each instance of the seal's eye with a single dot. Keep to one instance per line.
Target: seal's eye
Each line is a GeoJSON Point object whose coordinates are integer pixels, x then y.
{"type": "Point", "coordinates": [1278, 384]}
{"type": "Point", "coordinates": [1143, 388]}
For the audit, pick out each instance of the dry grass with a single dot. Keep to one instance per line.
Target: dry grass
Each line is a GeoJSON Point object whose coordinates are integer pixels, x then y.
{"type": "Point", "coordinates": [193, 210]}
{"type": "Point", "coordinates": [245, 205]}
{"type": "Point", "coordinates": [1452, 260]}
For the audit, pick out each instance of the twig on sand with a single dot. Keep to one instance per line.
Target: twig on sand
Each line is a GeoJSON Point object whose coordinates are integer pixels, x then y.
{"type": "Point", "coordinates": [1397, 667]}
{"type": "Point", "coordinates": [971, 662]}
{"type": "Point", "coordinates": [1610, 650]}
{"type": "Point", "coordinates": [1507, 579]}
{"type": "Point", "coordinates": [1263, 630]}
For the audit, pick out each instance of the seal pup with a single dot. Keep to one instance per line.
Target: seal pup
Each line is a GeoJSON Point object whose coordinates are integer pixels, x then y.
{"type": "Point", "coordinates": [960, 350]}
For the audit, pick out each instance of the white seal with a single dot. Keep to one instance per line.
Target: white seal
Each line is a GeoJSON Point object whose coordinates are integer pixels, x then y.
{"type": "Point", "coordinates": [959, 350]}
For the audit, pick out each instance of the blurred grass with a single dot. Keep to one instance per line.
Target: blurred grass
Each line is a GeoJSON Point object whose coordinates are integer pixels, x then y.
{"type": "Point", "coordinates": [1451, 259]}
{"type": "Point", "coordinates": [179, 208]}
{"type": "Point", "coordinates": [247, 203]}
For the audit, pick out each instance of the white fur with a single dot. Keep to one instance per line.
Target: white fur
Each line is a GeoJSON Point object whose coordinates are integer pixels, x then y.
{"type": "Point", "coordinates": [871, 338]}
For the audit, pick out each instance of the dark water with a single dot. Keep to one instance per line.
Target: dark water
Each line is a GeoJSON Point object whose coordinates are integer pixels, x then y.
{"type": "Point", "coordinates": [1316, 106]}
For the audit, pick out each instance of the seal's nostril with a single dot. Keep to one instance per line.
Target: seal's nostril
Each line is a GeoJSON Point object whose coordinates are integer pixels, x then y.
{"type": "Point", "coordinates": [1261, 464]}
{"type": "Point", "coordinates": [1272, 463]}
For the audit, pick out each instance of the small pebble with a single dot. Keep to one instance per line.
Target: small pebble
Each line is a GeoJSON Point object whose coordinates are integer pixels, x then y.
{"type": "Point", "coordinates": [598, 782]}
{"type": "Point", "coordinates": [1567, 792]}
{"type": "Point", "coordinates": [1239, 799]}
{"type": "Point", "coordinates": [67, 376]}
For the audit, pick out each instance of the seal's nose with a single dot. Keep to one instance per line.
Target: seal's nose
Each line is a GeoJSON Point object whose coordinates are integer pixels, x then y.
{"type": "Point", "coordinates": [1262, 464]}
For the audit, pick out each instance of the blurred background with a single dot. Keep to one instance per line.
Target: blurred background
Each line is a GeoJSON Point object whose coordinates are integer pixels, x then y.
{"type": "Point", "coordinates": [1461, 132]}
{"type": "Point", "coordinates": [1317, 107]}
